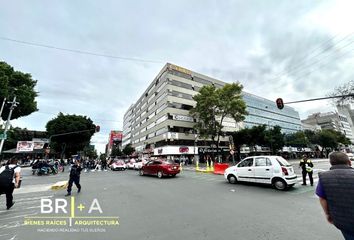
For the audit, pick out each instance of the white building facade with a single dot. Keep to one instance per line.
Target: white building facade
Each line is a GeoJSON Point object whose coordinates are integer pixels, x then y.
{"type": "Point", "coordinates": [159, 122]}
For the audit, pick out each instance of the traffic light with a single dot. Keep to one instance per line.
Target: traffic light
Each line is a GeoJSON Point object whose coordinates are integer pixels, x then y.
{"type": "Point", "coordinates": [97, 128]}
{"type": "Point", "coordinates": [280, 103]}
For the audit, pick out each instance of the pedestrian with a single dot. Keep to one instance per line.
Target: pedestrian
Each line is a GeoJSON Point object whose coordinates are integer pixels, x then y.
{"type": "Point", "coordinates": [87, 165]}
{"type": "Point", "coordinates": [98, 165]}
{"type": "Point", "coordinates": [10, 176]}
{"type": "Point", "coordinates": [104, 164]}
{"type": "Point", "coordinates": [335, 190]}
{"type": "Point", "coordinates": [307, 168]}
{"type": "Point", "coordinates": [74, 177]}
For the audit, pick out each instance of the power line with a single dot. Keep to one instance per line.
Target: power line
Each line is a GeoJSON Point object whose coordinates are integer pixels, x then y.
{"type": "Point", "coordinates": [322, 98]}
{"type": "Point", "coordinates": [79, 51]}
{"type": "Point", "coordinates": [308, 73]}
{"type": "Point", "coordinates": [300, 67]}
{"type": "Point", "coordinates": [304, 58]}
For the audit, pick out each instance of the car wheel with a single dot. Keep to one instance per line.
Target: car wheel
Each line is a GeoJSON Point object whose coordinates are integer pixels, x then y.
{"type": "Point", "coordinates": [280, 184]}
{"type": "Point", "coordinates": [141, 172]}
{"type": "Point", "coordinates": [232, 179]}
{"type": "Point", "coordinates": [159, 174]}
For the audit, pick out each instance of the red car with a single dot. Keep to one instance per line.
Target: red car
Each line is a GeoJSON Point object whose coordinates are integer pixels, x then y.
{"type": "Point", "coordinates": [160, 168]}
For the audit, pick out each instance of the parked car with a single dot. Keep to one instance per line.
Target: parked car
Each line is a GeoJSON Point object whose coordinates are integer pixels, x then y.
{"type": "Point", "coordinates": [118, 165]}
{"type": "Point", "coordinates": [138, 165]}
{"type": "Point", "coordinates": [273, 170]}
{"type": "Point", "coordinates": [130, 164]}
{"type": "Point", "coordinates": [160, 168]}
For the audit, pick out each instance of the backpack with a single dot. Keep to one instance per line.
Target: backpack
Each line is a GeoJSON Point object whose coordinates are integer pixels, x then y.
{"type": "Point", "coordinates": [7, 176]}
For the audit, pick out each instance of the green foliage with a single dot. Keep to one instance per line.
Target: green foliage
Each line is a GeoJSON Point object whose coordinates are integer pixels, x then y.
{"type": "Point", "coordinates": [116, 152]}
{"type": "Point", "coordinates": [261, 136]}
{"type": "Point", "coordinates": [103, 156]}
{"type": "Point", "coordinates": [90, 151]}
{"type": "Point", "coordinates": [15, 83]}
{"type": "Point", "coordinates": [274, 139]}
{"type": "Point", "coordinates": [128, 150]}
{"type": "Point", "coordinates": [328, 138]}
{"type": "Point", "coordinates": [213, 105]}
{"type": "Point", "coordinates": [298, 139]}
{"type": "Point", "coordinates": [70, 143]}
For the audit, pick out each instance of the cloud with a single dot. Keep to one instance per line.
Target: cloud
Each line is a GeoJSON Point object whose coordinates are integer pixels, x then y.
{"type": "Point", "coordinates": [268, 46]}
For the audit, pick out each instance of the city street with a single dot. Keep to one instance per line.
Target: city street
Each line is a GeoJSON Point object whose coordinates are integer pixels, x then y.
{"type": "Point", "coordinates": [189, 206]}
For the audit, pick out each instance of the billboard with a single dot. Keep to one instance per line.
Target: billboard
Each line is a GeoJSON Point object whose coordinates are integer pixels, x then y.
{"type": "Point", "coordinates": [24, 146]}
{"type": "Point", "coordinates": [115, 136]}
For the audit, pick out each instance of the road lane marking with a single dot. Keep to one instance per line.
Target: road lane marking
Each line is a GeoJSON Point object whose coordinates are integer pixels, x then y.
{"type": "Point", "coordinates": [23, 215]}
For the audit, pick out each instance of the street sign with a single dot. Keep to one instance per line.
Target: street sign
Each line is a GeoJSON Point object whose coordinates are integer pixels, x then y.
{"type": "Point", "coordinates": [3, 136]}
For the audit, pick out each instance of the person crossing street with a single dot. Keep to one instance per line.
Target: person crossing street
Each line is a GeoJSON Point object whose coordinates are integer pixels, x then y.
{"type": "Point", "coordinates": [307, 168]}
{"type": "Point", "coordinates": [74, 177]}
{"type": "Point", "coordinates": [9, 180]}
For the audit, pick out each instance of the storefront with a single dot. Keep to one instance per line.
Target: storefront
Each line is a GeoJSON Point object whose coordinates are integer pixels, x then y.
{"type": "Point", "coordinates": [205, 153]}
{"type": "Point", "coordinates": [177, 153]}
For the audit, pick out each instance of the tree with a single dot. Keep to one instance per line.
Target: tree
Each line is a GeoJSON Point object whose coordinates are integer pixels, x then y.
{"type": "Point", "coordinates": [214, 105]}
{"type": "Point", "coordinates": [70, 133]}
{"type": "Point", "coordinates": [330, 139]}
{"type": "Point", "coordinates": [258, 135]}
{"type": "Point", "coordinates": [116, 152]}
{"type": "Point", "coordinates": [90, 151]}
{"type": "Point", "coordinates": [344, 90]}
{"type": "Point", "coordinates": [274, 138]}
{"type": "Point", "coordinates": [241, 137]}
{"type": "Point", "coordinates": [15, 83]}
{"type": "Point", "coordinates": [297, 139]}
{"type": "Point", "coordinates": [128, 150]}
{"type": "Point", "coordinates": [103, 156]}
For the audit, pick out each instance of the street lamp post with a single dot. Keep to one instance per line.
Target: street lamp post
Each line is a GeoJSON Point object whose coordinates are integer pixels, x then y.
{"type": "Point", "coordinates": [7, 125]}
{"type": "Point", "coordinates": [2, 107]}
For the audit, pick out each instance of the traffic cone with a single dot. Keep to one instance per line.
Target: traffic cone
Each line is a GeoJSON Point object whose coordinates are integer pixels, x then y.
{"type": "Point", "coordinates": [197, 166]}
{"type": "Point", "coordinates": [211, 166]}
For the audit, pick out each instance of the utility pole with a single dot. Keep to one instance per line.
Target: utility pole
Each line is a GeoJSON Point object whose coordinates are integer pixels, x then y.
{"type": "Point", "coordinates": [7, 125]}
{"type": "Point", "coordinates": [2, 108]}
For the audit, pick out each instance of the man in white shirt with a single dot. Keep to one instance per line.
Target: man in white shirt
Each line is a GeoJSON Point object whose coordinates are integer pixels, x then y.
{"type": "Point", "coordinates": [9, 180]}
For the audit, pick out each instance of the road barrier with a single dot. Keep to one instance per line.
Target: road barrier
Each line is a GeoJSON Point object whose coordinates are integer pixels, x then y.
{"type": "Point", "coordinates": [219, 168]}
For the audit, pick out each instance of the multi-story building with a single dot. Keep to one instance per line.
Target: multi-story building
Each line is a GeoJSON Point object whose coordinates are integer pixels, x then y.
{"type": "Point", "coordinates": [348, 113]}
{"type": "Point", "coordinates": [331, 120]}
{"type": "Point", "coordinates": [127, 127]}
{"type": "Point", "coordinates": [160, 118]}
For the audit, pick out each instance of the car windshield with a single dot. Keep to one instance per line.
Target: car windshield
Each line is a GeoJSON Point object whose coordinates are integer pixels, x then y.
{"type": "Point", "coordinates": [282, 162]}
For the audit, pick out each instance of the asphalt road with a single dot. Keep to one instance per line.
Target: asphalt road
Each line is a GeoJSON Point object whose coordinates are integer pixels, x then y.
{"type": "Point", "coordinates": [190, 206]}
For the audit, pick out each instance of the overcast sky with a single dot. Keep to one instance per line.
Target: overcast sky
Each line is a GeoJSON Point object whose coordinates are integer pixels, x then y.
{"type": "Point", "coordinates": [290, 49]}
